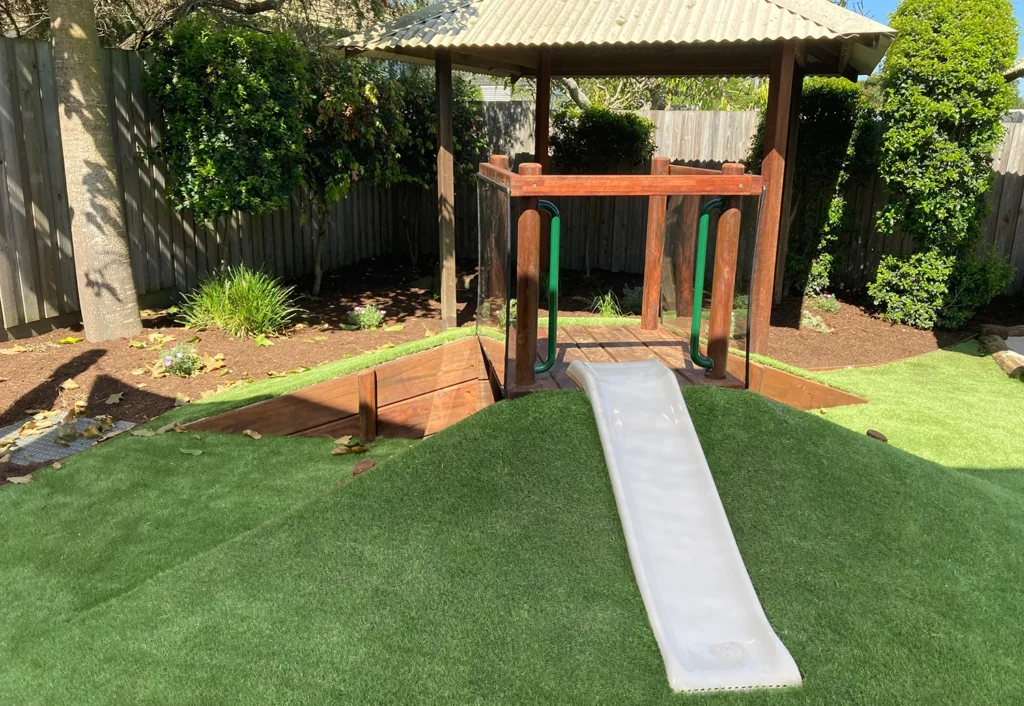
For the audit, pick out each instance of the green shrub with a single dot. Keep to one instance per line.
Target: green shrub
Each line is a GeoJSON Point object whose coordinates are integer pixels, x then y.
{"type": "Point", "coordinates": [233, 100]}
{"type": "Point", "coordinates": [182, 360]}
{"type": "Point", "coordinates": [600, 141]}
{"type": "Point", "coordinates": [973, 284]}
{"type": "Point", "coordinates": [241, 301]}
{"type": "Point", "coordinates": [366, 318]}
{"type": "Point", "coordinates": [632, 300]}
{"type": "Point", "coordinates": [944, 97]}
{"type": "Point", "coordinates": [513, 306]}
{"type": "Point", "coordinates": [912, 290]}
{"type": "Point", "coordinates": [838, 145]}
{"type": "Point", "coordinates": [606, 306]}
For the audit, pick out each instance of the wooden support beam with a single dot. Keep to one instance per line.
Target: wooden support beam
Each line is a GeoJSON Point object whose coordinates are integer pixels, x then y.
{"type": "Point", "coordinates": [543, 122]}
{"type": "Point", "coordinates": [634, 185]}
{"type": "Point", "coordinates": [367, 383]}
{"type": "Point", "coordinates": [723, 286]}
{"type": "Point", "coordinates": [787, 189]}
{"type": "Point", "coordinates": [686, 251]}
{"type": "Point", "coordinates": [773, 171]}
{"type": "Point", "coordinates": [656, 206]}
{"type": "Point", "coordinates": [527, 284]}
{"type": "Point", "coordinates": [446, 188]}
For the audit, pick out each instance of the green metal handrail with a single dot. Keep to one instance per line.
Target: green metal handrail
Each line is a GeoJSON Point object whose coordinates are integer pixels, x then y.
{"type": "Point", "coordinates": [555, 247]}
{"type": "Point", "coordinates": [698, 282]}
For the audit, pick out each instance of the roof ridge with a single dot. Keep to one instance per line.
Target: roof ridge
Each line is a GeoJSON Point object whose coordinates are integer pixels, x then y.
{"type": "Point", "coordinates": [829, 13]}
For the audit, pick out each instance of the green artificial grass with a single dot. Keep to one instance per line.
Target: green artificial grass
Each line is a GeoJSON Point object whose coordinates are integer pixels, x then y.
{"type": "Point", "coordinates": [487, 565]}
{"type": "Point", "coordinates": [954, 407]}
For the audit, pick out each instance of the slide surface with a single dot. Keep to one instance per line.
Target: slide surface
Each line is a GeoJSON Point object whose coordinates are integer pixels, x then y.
{"type": "Point", "coordinates": [706, 617]}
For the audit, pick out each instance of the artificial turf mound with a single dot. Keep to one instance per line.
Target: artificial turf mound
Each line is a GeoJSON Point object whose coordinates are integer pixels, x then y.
{"type": "Point", "coordinates": [487, 565]}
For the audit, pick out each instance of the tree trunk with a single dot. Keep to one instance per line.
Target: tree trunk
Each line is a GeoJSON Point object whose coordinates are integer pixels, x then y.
{"type": "Point", "coordinates": [321, 241]}
{"type": "Point", "coordinates": [106, 290]}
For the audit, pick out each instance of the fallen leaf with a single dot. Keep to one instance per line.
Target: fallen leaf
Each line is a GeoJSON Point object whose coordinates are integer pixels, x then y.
{"type": "Point", "coordinates": [143, 432]}
{"type": "Point", "coordinates": [363, 466]}
{"type": "Point", "coordinates": [427, 333]}
{"type": "Point", "coordinates": [262, 341]}
{"type": "Point", "coordinates": [40, 415]}
{"type": "Point", "coordinates": [252, 434]}
{"type": "Point", "coordinates": [139, 371]}
{"type": "Point", "coordinates": [159, 339]}
{"type": "Point", "coordinates": [13, 351]}
{"type": "Point", "coordinates": [191, 452]}
{"type": "Point", "coordinates": [115, 398]}
{"type": "Point", "coordinates": [341, 451]}
{"type": "Point", "coordinates": [80, 405]}
{"type": "Point", "coordinates": [386, 346]}
{"type": "Point", "coordinates": [142, 386]}
{"type": "Point", "coordinates": [319, 339]}
{"type": "Point", "coordinates": [32, 428]}
{"type": "Point", "coordinates": [137, 344]}
{"type": "Point", "coordinates": [197, 437]}
{"type": "Point", "coordinates": [349, 327]}
{"type": "Point", "coordinates": [396, 327]}
{"type": "Point", "coordinates": [194, 340]}
{"type": "Point", "coordinates": [213, 362]}
{"type": "Point", "coordinates": [180, 399]}
{"type": "Point", "coordinates": [343, 441]}
{"type": "Point", "coordinates": [69, 341]}
{"type": "Point", "coordinates": [147, 312]}
{"type": "Point", "coordinates": [20, 480]}
{"type": "Point", "coordinates": [224, 372]}
{"type": "Point", "coordinates": [56, 466]}
{"type": "Point", "coordinates": [299, 327]}
{"type": "Point", "coordinates": [69, 384]}
{"type": "Point", "coordinates": [91, 432]}
{"type": "Point", "coordinates": [357, 449]}
{"type": "Point", "coordinates": [173, 426]}
{"type": "Point", "coordinates": [105, 421]}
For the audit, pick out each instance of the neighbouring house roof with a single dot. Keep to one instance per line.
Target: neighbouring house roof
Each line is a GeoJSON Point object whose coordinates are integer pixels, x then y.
{"type": "Point", "coordinates": [499, 35]}
{"type": "Point", "coordinates": [1014, 72]}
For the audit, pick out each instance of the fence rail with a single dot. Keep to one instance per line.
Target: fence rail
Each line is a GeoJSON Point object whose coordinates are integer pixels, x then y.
{"type": "Point", "coordinates": [170, 252]}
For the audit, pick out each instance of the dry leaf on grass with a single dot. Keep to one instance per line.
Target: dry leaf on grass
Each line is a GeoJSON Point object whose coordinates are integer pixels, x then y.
{"type": "Point", "coordinates": [143, 432]}
{"type": "Point", "coordinates": [363, 466]}
{"type": "Point", "coordinates": [344, 440]}
{"type": "Point", "coordinates": [69, 384]}
{"type": "Point", "coordinates": [181, 399]}
{"type": "Point", "coordinates": [191, 452]}
{"type": "Point", "coordinates": [20, 480]}
{"type": "Point", "coordinates": [105, 422]}
{"type": "Point", "coordinates": [56, 466]}
{"type": "Point", "coordinates": [252, 434]}
{"type": "Point", "coordinates": [40, 415]}
{"type": "Point", "coordinates": [115, 398]}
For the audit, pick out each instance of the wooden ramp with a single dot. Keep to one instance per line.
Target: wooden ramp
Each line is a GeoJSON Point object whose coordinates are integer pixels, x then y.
{"type": "Point", "coordinates": [425, 393]}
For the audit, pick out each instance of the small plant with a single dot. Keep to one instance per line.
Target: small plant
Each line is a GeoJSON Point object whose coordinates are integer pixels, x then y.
{"type": "Point", "coordinates": [606, 306]}
{"type": "Point", "coordinates": [513, 305]}
{"type": "Point", "coordinates": [242, 301]}
{"type": "Point", "coordinates": [813, 322]}
{"type": "Point", "coordinates": [367, 318]}
{"type": "Point", "coordinates": [825, 302]}
{"type": "Point", "coordinates": [182, 360]}
{"type": "Point", "coordinates": [632, 300]}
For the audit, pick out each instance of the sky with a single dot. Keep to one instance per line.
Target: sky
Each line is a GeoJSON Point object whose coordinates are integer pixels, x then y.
{"type": "Point", "coordinates": [881, 9]}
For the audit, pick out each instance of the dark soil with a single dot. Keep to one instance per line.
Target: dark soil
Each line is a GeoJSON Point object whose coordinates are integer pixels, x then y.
{"type": "Point", "coordinates": [858, 338]}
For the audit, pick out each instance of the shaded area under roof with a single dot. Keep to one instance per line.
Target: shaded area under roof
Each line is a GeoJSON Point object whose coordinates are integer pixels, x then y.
{"type": "Point", "coordinates": [631, 37]}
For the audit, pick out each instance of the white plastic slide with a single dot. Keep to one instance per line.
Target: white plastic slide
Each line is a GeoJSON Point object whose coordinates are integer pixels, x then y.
{"type": "Point", "coordinates": [707, 619]}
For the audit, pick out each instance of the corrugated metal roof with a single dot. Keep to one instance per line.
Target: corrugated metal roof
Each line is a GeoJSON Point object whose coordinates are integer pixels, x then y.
{"type": "Point", "coordinates": [1015, 72]}
{"type": "Point", "coordinates": [464, 24]}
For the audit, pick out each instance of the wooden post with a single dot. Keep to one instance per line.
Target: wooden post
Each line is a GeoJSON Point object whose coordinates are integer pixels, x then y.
{"type": "Point", "coordinates": [543, 122]}
{"type": "Point", "coordinates": [723, 286]}
{"type": "Point", "coordinates": [787, 188]}
{"type": "Point", "coordinates": [541, 145]}
{"type": "Point", "coordinates": [686, 250]}
{"type": "Point", "coordinates": [497, 273]}
{"type": "Point", "coordinates": [367, 384]}
{"type": "Point", "coordinates": [527, 283]}
{"type": "Point", "coordinates": [446, 188]}
{"type": "Point", "coordinates": [773, 171]}
{"type": "Point", "coordinates": [656, 205]}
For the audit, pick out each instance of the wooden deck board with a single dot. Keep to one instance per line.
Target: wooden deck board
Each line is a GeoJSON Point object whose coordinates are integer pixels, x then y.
{"type": "Point", "coordinates": [625, 344]}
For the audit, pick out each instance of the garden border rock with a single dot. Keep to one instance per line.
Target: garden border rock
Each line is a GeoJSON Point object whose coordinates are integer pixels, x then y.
{"type": "Point", "coordinates": [993, 343]}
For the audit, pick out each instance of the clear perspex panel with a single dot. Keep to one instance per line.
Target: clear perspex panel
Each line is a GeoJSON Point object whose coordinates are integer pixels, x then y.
{"type": "Point", "coordinates": [493, 318]}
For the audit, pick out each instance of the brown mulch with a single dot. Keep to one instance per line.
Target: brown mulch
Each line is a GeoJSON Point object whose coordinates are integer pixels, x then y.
{"type": "Point", "coordinates": [859, 338]}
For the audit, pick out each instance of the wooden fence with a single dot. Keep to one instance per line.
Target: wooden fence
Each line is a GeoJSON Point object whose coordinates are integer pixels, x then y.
{"type": "Point", "coordinates": [170, 252]}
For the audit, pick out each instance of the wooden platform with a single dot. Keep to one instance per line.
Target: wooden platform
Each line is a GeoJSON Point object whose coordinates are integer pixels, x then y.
{"type": "Point", "coordinates": [623, 344]}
